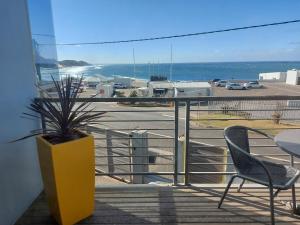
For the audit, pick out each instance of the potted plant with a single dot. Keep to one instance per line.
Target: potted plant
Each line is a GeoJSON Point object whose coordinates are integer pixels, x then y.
{"type": "Point", "coordinates": [66, 154]}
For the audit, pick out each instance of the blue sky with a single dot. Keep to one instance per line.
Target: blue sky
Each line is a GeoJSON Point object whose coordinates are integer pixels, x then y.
{"type": "Point", "coordinates": [106, 20]}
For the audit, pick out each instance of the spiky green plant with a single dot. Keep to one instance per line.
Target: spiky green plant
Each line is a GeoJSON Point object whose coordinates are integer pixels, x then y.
{"type": "Point", "coordinates": [64, 116]}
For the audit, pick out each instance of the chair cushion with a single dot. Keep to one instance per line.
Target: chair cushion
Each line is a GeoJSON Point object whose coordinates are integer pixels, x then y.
{"type": "Point", "coordinates": [283, 177]}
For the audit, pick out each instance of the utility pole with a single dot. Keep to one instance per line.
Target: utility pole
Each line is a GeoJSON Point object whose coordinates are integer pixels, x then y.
{"type": "Point", "coordinates": [133, 55]}
{"type": "Point", "coordinates": [171, 65]}
{"type": "Point", "coordinates": [149, 69]}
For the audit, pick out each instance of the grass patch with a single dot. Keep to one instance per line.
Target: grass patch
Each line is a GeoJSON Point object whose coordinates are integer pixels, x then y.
{"type": "Point", "coordinates": [211, 122]}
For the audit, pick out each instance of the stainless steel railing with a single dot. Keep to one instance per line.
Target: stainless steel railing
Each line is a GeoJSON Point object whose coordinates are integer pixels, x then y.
{"type": "Point", "coordinates": [183, 143]}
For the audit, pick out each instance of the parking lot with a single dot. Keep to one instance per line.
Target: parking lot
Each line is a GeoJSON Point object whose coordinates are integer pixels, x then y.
{"type": "Point", "coordinates": [269, 88]}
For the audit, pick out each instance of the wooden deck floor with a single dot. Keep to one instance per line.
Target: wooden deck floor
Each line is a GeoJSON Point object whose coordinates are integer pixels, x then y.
{"type": "Point", "coordinates": [168, 205]}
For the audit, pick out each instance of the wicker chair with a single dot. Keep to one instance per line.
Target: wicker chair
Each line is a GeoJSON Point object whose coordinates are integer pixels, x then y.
{"type": "Point", "coordinates": [270, 174]}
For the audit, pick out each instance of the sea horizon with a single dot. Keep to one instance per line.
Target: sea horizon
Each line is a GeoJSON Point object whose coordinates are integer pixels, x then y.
{"type": "Point", "coordinates": [247, 61]}
{"type": "Point", "coordinates": [203, 71]}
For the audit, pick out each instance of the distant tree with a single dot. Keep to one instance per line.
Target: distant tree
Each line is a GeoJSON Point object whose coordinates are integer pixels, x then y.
{"type": "Point", "coordinates": [133, 94]}
{"type": "Point", "coordinates": [278, 112]}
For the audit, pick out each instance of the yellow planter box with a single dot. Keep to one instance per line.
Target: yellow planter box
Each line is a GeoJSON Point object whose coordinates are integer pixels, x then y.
{"type": "Point", "coordinates": [68, 172]}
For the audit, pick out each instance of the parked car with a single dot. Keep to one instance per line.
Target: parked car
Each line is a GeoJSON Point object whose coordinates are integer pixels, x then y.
{"type": "Point", "coordinates": [214, 81]}
{"type": "Point", "coordinates": [235, 86]}
{"type": "Point", "coordinates": [253, 84]}
{"type": "Point", "coordinates": [221, 83]}
{"type": "Point", "coordinates": [119, 86]}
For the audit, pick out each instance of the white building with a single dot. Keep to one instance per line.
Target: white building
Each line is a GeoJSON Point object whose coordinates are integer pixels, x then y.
{"type": "Point", "coordinates": [139, 83]}
{"type": "Point", "coordinates": [20, 176]}
{"type": "Point", "coordinates": [104, 90]}
{"type": "Point", "coordinates": [179, 89]}
{"type": "Point", "coordinates": [293, 77]}
{"type": "Point", "coordinates": [192, 89]}
{"type": "Point", "coordinates": [126, 81]}
{"type": "Point", "coordinates": [161, 89]}
{"type": "Point", "coordinates": [273, 76]}
{"type": "Point", "coordinates": [143, 91]}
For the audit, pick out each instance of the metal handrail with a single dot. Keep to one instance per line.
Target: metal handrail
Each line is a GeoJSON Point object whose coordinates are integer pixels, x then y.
{"type": "Point", "coordinates": [176, 130]}
{"type": "Point", "coordinates": [185, 99]}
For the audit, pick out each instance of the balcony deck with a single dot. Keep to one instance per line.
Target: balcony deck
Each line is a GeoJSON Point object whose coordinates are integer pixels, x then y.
{"type": "Point", "coordinates": [145, 204]}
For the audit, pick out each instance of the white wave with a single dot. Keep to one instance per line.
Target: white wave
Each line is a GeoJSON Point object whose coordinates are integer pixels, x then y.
{"type": "Point", "coordinates": [98, 66]}
{"type": "Point", "coordinates": [74, 70]}
{"type": "Point", "coordinates": [100, 76]}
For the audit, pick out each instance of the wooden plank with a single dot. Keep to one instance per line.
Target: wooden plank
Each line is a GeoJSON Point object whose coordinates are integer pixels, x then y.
{"type": "Point", "coordinates": [166, 205]}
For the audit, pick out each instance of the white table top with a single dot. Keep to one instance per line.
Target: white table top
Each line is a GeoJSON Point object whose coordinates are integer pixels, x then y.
{"type": "Point", "coordinates": [289, 141]}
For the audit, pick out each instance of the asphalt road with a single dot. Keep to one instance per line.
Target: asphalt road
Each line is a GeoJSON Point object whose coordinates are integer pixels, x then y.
{"type": "Point", "coordinates": [149, 118]}
{"type": "Point", "coordinates": [163, 118]}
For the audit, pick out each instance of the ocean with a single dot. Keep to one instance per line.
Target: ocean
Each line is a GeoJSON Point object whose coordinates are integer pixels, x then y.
{"type": "Point", "coordinates": [185, 71]}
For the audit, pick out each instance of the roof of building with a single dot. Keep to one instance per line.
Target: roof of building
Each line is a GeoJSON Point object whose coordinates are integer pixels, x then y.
{"type": "Point", "coordinates": [268, 73]}
{"type": "Point", "coordinates": [294, 70]}
{"type": "Point", "coordinates": [192, 84]}
{"type": "Point", "coordinates": [161, 84]}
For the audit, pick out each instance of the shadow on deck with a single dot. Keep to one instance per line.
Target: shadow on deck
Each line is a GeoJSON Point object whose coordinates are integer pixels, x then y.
{"type": "Point", "coordinates": [138, 204]}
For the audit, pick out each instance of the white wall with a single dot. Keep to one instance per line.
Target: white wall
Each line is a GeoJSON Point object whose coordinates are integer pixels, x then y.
{"type": "Point", "coordinates": [104, 90]}
{"type": "Point", "coordinates": [192, 92]}
{"type": "Point", "coordinates": [127, 81]}
{"type": "Point", "coordinates": [273, 76]}
{"type": "Point", "coordinates": [20, 180]}
{"type": "Point", "coordinates": [292, 76]}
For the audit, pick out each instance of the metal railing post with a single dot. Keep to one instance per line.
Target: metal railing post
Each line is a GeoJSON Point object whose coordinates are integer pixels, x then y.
{"type": "Point", "coordinates": [109, 149]}
{"type": "Point", "coordinates": [176, 127]}
{"type": "Point", "coordinates": [187, 143]}
{"type": "Point", "coordinates": [140, 153]}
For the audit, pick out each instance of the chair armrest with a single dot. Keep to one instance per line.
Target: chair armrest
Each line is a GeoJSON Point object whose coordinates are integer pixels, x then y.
{"type": "Point", "coordinates": [266, 135]}
{"type": "Point", "coordinates": [260, 132]}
